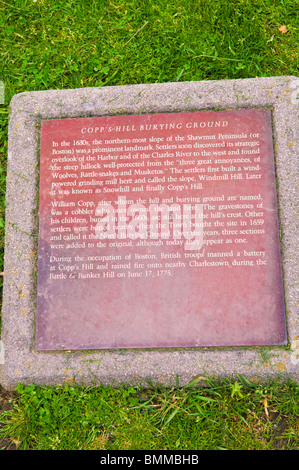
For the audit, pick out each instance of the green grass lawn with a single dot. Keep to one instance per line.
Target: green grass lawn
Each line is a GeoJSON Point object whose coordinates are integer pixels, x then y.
{"type": "Point", "coordinates": [53, 44]}
{"type": "Point", "coordinates": [227, 415]}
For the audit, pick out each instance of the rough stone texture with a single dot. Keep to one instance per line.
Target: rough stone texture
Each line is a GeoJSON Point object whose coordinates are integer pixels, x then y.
{"type": "Point", "coordinates": [20, 361]}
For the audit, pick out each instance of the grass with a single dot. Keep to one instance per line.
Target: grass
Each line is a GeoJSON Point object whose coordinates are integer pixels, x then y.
{"type": "Point", "coordinates": [68, 44]}
{"type": "Point", "coordinates": [47, 44]}
{"type": "Point", "coordinates": [232, 415]}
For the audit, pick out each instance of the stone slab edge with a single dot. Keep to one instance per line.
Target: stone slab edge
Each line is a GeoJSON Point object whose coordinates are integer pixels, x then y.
{"type": "Point", "coordinates": [20, 362]}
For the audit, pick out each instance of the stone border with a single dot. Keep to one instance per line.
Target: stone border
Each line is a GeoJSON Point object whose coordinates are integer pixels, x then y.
{"type": "Point", "coordinates": [20, 361]}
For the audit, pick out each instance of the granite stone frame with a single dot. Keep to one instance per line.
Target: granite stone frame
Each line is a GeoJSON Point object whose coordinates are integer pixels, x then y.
{"type": "Point", "coordinates": [19, 361]}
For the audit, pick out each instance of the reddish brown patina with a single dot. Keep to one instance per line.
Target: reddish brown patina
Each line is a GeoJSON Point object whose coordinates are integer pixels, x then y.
{"type": "Point", "coordinates": [159, 231]}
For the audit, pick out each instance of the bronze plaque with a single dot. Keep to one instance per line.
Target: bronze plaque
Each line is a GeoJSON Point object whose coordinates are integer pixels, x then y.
{"type": "Point", "coordinates": [159, 231]}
